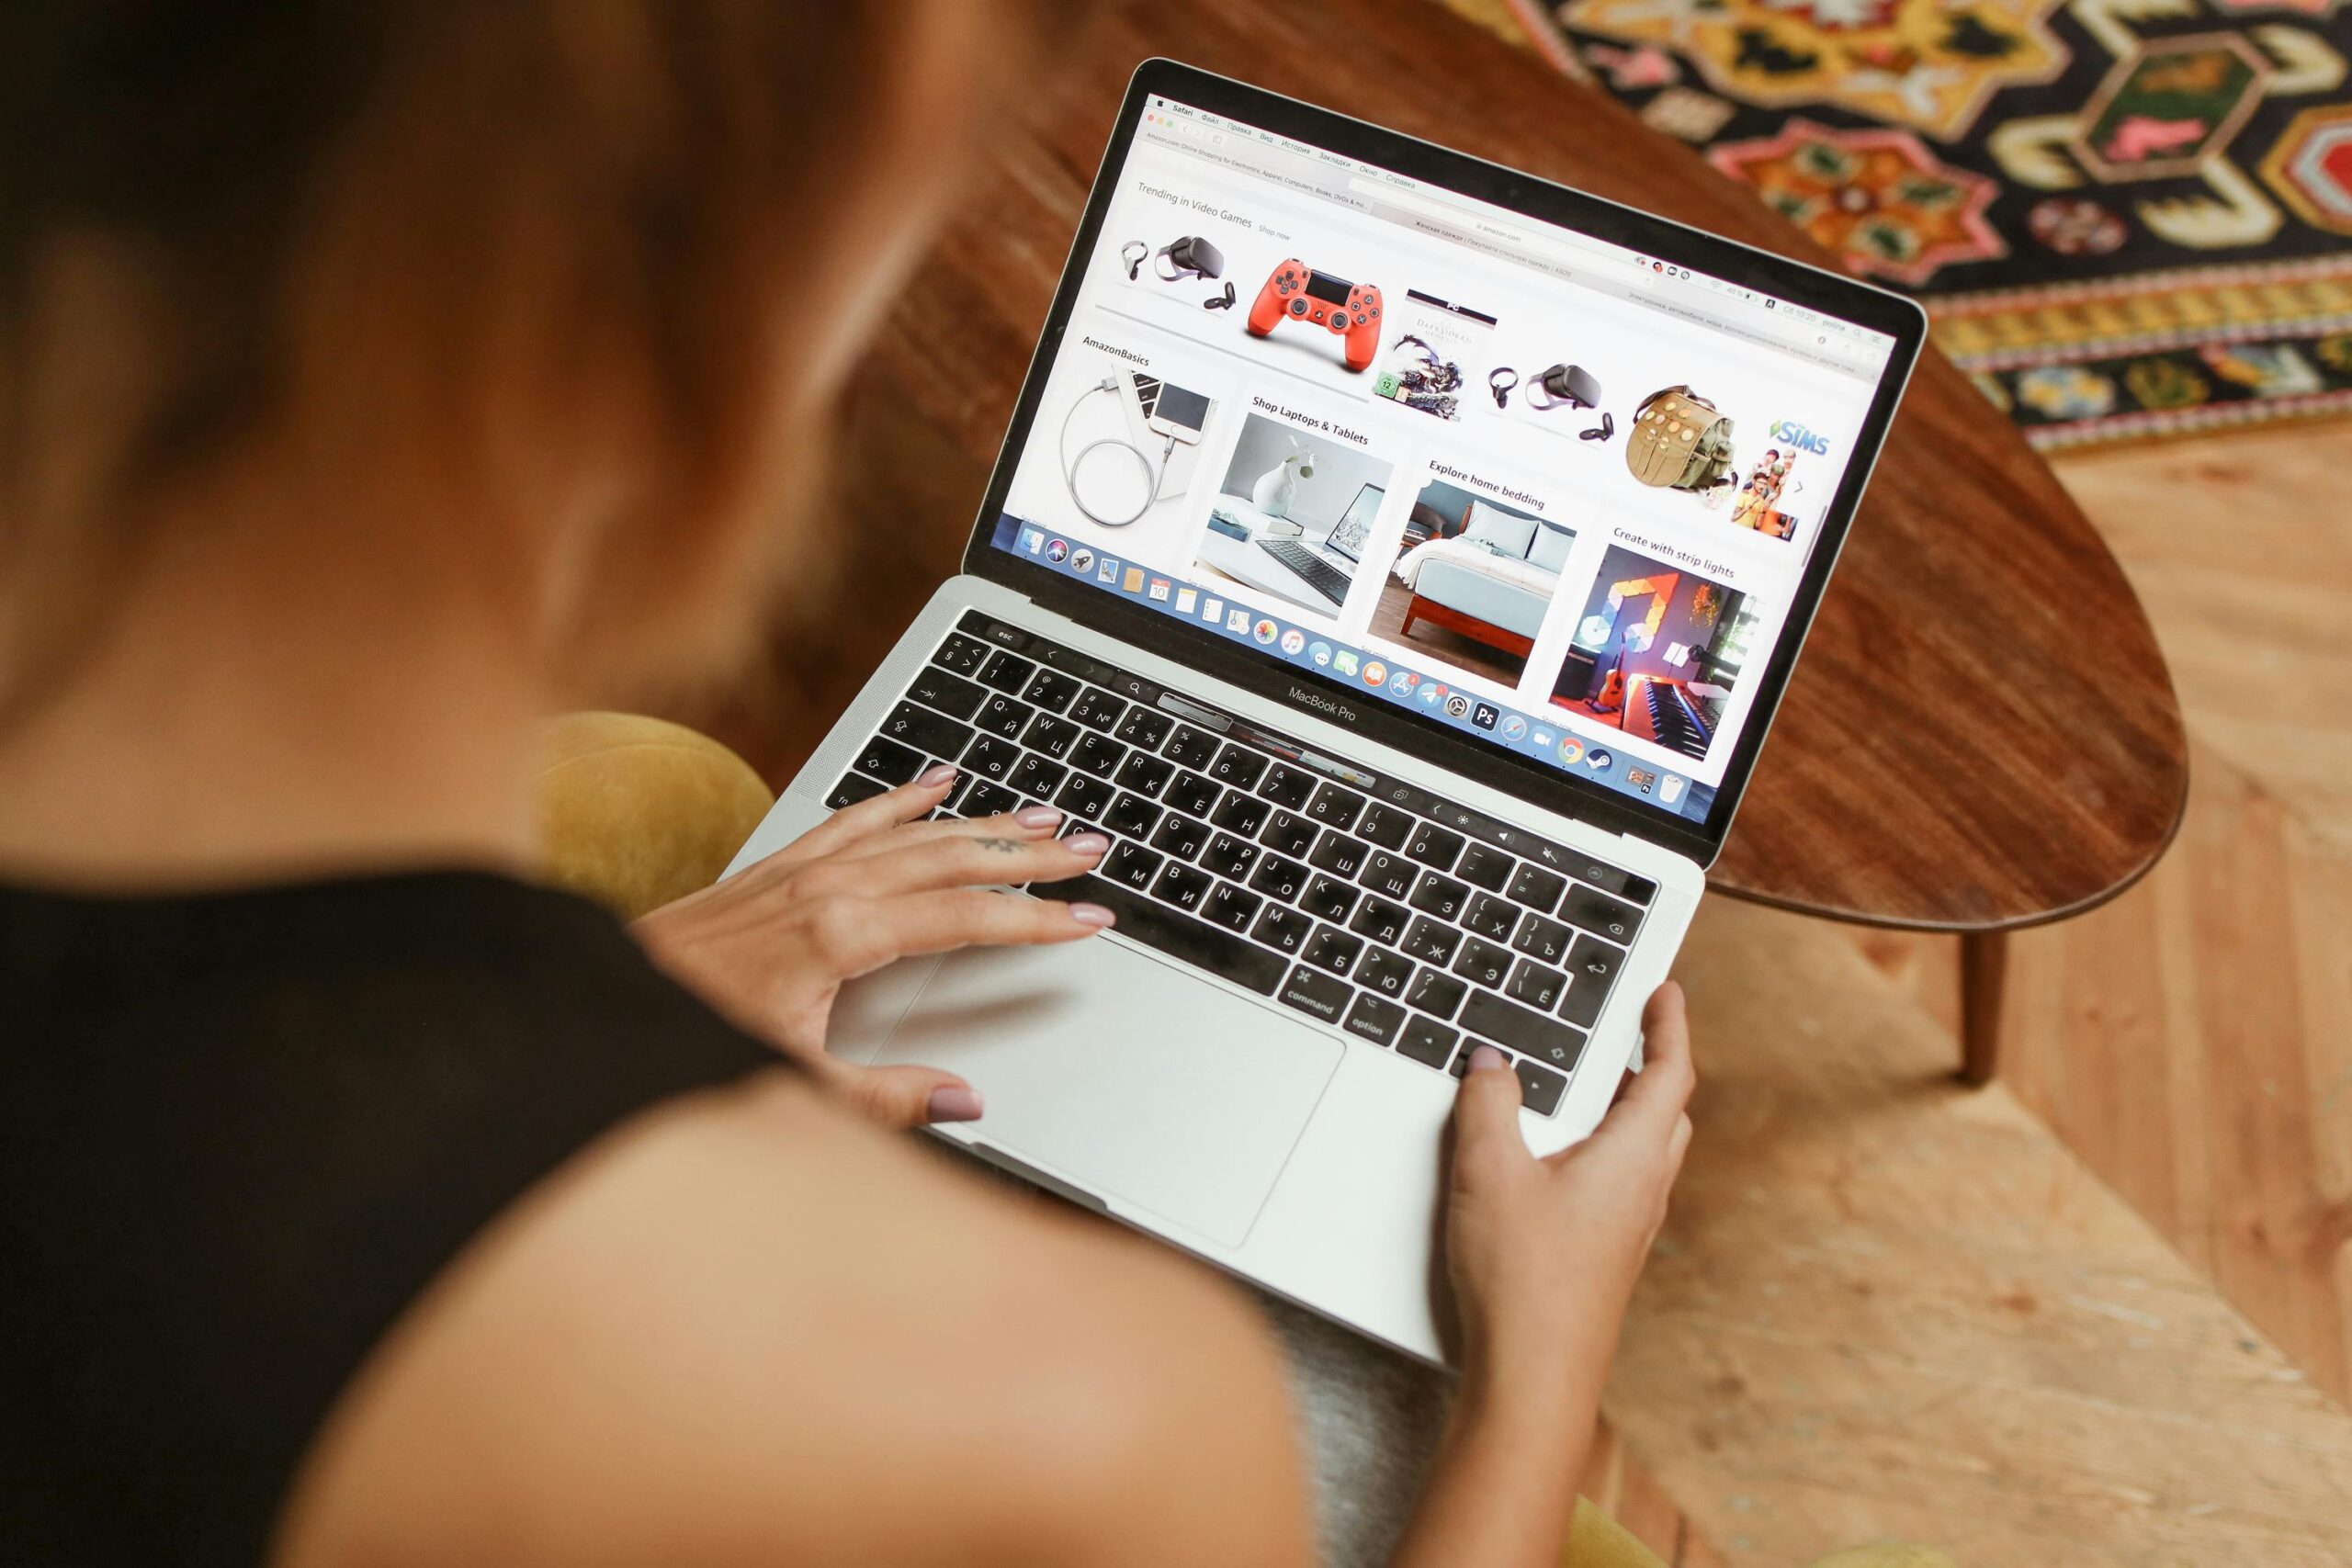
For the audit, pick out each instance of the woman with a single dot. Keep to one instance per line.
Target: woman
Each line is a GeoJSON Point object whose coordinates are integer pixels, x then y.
{"type": "Point", "coordinates": [380, 376]}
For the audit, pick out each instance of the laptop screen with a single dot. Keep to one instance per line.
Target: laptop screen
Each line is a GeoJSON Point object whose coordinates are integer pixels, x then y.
{"type": "Point", "coordinates": [1569, 491]}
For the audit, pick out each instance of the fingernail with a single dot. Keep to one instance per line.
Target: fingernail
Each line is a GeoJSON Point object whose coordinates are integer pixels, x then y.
{"type": "Point", "coordinates": [1038, 817]}
{"type": "Point", "coordinates": [953, 1102]}
{"type": "Point", "coordinates": [1487, 1056]}
{"type": "Point", "coordinates": [1087, 843]}
{"type": "Point", "coordinates": [1092, 915]}
{"type": "Point", "coordinates": [936, 774]}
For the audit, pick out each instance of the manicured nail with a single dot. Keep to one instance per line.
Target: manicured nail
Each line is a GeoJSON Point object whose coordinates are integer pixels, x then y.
{"type": "Point", "coordinates": [1088, 843]}
{"type": "Point", "coordinates": [1038, 817]}
{"type": "Point", "coordinates": [953, 1102]}
{"type": "Point", "coordinates": [1487, 1056]}
{"type": "Point", "coordinates": [1092, 915]}
{"type": "Point", "coordinates": [936, 774]}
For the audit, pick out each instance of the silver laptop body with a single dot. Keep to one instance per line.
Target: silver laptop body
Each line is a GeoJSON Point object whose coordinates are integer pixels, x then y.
{"type": "Point", "coordinates": [1345, 854]}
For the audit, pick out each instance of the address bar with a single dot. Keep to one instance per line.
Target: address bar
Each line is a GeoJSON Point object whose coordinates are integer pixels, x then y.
{"type": "Point", "coordinates": [1591, 258]}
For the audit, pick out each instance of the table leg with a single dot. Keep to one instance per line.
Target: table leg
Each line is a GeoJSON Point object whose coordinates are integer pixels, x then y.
{"type": "Point", "coordinates": [1983, 969]}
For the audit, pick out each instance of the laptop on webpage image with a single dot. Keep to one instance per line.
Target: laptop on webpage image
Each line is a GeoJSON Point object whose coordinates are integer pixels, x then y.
{"type": "Point", "coordinates": [1472, 797]}
{"type": "Point", "coordinates": [1316, 573]}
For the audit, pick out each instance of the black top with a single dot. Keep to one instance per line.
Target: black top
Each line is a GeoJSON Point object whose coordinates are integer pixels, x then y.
{"type": "Point", "coordinates": [243, 1131]}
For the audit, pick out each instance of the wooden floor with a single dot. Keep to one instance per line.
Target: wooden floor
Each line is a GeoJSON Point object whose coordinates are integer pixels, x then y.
{"type": "Point", "coordinates": [2165, 1176]}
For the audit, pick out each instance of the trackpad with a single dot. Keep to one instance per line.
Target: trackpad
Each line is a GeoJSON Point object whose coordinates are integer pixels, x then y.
{"type": "Point", "coordinates": [1125, 1073]}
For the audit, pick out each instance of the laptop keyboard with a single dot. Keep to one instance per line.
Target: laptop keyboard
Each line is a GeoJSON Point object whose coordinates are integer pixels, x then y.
{"type": "Point", "coordinates": [1320, 574]}
{"type": "Point", "coordinates": [1367, 904]}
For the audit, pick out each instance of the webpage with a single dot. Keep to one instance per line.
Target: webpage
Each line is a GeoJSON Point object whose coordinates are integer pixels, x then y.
{"type": "Point", "coordinates": [1540, 487]}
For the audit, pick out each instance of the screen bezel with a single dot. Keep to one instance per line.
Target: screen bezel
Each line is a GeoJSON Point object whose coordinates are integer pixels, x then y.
{"type": "Point", "coordinates": [1539, 783]}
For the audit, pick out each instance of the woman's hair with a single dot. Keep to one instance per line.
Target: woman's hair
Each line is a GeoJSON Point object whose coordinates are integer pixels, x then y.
{"type": "Point", "coordinates": [431, 228]}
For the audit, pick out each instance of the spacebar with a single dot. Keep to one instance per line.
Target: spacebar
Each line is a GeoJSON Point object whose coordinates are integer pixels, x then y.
{"type": "Point", "coordinates": [1180, 936]}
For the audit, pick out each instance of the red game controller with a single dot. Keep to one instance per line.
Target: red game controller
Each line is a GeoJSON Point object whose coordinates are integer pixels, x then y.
{"type": "Point", "coordinates": [1296, 292]}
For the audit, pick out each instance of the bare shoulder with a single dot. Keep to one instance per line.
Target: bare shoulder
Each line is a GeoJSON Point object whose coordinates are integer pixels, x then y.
{"type": "Point", "coordinates": [750, 1319]}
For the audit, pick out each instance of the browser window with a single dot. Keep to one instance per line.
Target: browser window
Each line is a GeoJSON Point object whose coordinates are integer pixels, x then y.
{"type": "Point", "coordinates": [1540, 487]}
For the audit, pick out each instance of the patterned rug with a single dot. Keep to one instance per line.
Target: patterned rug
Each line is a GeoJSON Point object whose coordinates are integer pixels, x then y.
{"type": "Point", "coordinates": [2127, 217]}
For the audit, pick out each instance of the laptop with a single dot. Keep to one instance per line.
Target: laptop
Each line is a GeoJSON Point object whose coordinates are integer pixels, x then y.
{"type": "Point", "coordinates": [1343, 855]}
{"type": "Point", "coordinates": [1327, 566]}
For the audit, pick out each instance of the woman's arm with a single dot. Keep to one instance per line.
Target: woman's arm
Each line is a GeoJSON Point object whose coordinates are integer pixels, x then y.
{"type": "Point", "coordinates": [1542, 1254]}
{"type": "Point", "coordinates": [750, 1328]}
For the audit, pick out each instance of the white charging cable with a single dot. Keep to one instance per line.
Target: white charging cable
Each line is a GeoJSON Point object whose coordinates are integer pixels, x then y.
{"type": "Point", "coordinates": [1071, 465]}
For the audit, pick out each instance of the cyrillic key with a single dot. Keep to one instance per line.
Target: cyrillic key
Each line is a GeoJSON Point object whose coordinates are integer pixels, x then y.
{"type": "Point", "coordinates": [1381, 921]}
{"type": "Point", "coordinates": [1388, 876]}
{"type": "Point", "coordinates": [1004, 716]}
{"type": "Point", "coordinates": [1084, 798]}
{"type": "Point", "coordinates": [1183, 886]}
{"type": "Point", "coordinates": [1338, 854]}
{"type": "Point", "coordinates": [1540, 937]}
{"type": "Point", "coordinates": [1332, 949]}
{"type": "Point", "coordinates": [1132, 864]}
{"type": "Point", "coordinates": [1190, 793]}
{"type": "Point", "coordinates": [1180, 836]}
{"type": "Point", "coordinates": [1232, 907]}
{"type": "Point", "coordinates": [1384, 972]}
{"type": "Point", "coordinates": [1279, 878]}
{"type": "Point", "coordinates": [1097, 709]}
{"type": "Point", "coordinates": [1439, 896]}
{"type": "Point", "coordinates": [1431, 942]}
{"type": "Point", "coordinates": [1241, 814]}
{"type": "Point", "coordinates": [1180, 936]}
{"type": "Point", "coordinates": [1490, 916]}
{"type": "Point", "coordinates": [1132, 814]}
{"type": "Point", "coordinates": [1537, 985]}
{"type": "Point", "coordinates": [1032, 776]}
{"type": "Point", "coordinates": [1282, 928]}
{"type": "Point", "coordinates": [1482, 962]}
{"type": "Point", "coordinates": [1288, 835]}
{"type": "Point", "coordinates": [1328, 899]}
{"type": "Point", "coordinates": [1229, 856]}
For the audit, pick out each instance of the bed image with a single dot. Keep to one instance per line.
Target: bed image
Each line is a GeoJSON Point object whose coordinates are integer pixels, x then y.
{"type": "Point", "coordinates": [1492, 582]}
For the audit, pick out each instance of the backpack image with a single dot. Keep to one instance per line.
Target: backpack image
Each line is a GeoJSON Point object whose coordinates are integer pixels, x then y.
{"type": "Point", "coordinates": [1679, 441]}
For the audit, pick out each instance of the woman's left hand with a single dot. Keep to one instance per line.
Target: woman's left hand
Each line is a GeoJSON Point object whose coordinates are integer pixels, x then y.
{"type": "Point", "coordinates": [771, 945]}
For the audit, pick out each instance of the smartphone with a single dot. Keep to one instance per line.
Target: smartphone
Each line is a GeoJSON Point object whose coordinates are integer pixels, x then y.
{"type": "Point", "coordinates": [1178, 413]}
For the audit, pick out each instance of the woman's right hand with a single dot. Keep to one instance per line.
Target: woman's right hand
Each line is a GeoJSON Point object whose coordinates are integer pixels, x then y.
{"type": "Point", "coordinates": [1543, 1253]}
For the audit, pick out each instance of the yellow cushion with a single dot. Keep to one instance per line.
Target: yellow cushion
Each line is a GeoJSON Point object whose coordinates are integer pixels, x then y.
{"type": "Point", "coordinates": [1595, 1541]}
{"type": "Point", "coordinates": [634, 812]}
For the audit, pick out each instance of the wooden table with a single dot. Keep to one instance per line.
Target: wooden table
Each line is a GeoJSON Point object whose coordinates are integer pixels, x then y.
{"type": "Point", "coordinates": [1981, 735]}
